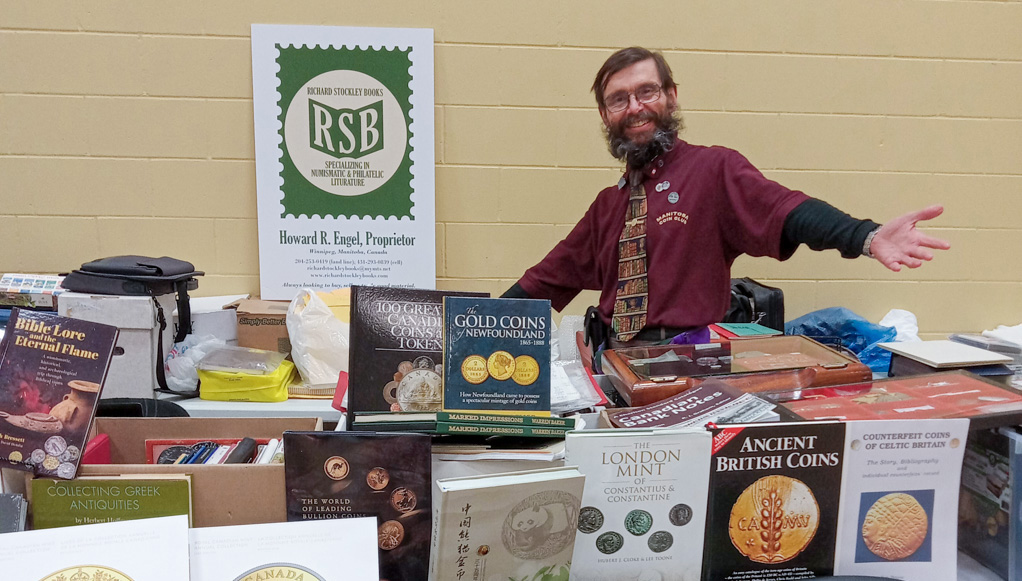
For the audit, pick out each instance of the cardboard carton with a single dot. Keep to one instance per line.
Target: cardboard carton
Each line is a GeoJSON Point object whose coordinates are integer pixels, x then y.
{"type": "Point", "coordinates": [222, 494]}
{"type": "Point", "coordinates": [263, 325]}
{"type": "Point", "coordinates": [133, 367]}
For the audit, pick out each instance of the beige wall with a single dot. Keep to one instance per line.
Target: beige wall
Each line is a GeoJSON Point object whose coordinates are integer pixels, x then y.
{"type": "Point", "coordinates": [126, 127]}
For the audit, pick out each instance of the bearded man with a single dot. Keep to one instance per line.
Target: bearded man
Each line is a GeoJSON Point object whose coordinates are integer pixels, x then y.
{"type": "Point", "coordinates": [659, 245]}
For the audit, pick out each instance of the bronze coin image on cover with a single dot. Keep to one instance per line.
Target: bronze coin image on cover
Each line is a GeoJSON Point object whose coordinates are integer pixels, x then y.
{"type": "Point", "coordinates": [336, 468]}
{"type": "Point", "coordinates": [280, 571]}
{"type": "Point", "coordinates": [774, 519]}
{"type": "Point", "coordinates": [378, 478]}
{"type": "Point", "coordinates": [390, 534]}
{"type": "Point", "coordinates": [541, 525]}
{"type": "Point", "coordinates": [895, 526]}
{"type": "Point", "coordinates": [403, 500]}
{"type": "Point", "coordinates": [87, 573]}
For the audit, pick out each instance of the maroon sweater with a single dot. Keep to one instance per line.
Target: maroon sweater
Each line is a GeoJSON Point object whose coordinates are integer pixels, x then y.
{"type": "Point", "coordinates": [716, 207]}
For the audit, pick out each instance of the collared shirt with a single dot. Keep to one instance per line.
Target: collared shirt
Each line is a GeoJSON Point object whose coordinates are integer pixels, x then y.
{"type": "Point", "coordinates": [705, 207]}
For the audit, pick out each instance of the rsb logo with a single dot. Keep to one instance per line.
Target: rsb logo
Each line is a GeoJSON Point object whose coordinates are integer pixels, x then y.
{"type": "Point", "coordinates": [350, 133]}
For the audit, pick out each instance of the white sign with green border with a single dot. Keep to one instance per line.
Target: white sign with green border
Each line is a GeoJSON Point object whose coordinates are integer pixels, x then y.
{"type": "Point", "coordinates": [344, 157]}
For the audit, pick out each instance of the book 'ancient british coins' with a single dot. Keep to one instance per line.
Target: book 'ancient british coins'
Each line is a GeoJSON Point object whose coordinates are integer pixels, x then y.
{"type": "Point", "coordinates": [497, 355]}
{"type": "Point", "coordinates": [644, 508]}
{"type": "Point", "coordinates": [396, 350]}
{"type": "Point", "coordinates": [513, 525]}
{"type": "Point", "coordinates": [51, 373]}
{"type": "Point", "coordinates": [330, 475]}
{"type": "Point", "coordinates": [899, 499]}
{"type": "Point", "coordinates": [773, 501]}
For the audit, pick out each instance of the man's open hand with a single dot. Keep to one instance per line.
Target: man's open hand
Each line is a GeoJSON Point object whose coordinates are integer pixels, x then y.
{"type": "Point", "coordinates": [899, 243]}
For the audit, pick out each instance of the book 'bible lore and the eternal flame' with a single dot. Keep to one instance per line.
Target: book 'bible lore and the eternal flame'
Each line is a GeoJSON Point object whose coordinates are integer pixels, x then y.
{"type": "Point", "coordinates": [51, 373]}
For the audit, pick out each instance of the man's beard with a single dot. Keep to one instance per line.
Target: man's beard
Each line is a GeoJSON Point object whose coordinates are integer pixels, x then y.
{"type": "Point", "coordinates": [637, 155]}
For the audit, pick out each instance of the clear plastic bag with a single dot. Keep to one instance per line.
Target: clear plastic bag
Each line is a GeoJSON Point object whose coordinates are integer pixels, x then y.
{"type": "Point", "coordinates": [319, 340]}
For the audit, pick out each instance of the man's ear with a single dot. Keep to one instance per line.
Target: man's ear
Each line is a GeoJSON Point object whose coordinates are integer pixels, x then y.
{"type": "Point", "coordinates": [606, 119]}
{"type": "Point", "coordinates": [672, 96]}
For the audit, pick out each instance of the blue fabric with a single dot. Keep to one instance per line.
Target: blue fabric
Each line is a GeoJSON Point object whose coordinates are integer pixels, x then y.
{"type": "Point", "coordinates": [855, 333]}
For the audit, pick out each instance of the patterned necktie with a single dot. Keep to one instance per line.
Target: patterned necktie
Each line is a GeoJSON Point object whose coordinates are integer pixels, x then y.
{"type": "Point", "coordinates": [632, 299]}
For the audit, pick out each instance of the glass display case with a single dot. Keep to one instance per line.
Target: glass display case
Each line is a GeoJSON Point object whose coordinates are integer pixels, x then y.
{"type": "Point", "coordinates": [643, 375]}
{"type": "Point", "coordinates": [951, 394]}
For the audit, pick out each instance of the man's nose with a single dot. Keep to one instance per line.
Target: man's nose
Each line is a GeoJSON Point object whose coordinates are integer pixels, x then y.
{"type": "Point", "coordinates": [634, 106]}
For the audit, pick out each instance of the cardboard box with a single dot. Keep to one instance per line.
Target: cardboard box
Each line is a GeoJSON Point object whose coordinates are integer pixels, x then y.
{"type": "Point", "coordinates": [222, 494]}
{"type": "Point", "coordinates": [263, 325]}
{"type": "Point", "coordinates": [133, 367]}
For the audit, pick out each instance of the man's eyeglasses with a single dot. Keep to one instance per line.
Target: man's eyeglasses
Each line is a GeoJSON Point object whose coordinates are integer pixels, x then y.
{"type": "Point", "coordinates": [644, 94]}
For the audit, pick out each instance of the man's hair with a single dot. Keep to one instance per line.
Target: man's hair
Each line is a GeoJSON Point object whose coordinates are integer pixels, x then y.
{"type": "Point", "coordinates": [625, 58]}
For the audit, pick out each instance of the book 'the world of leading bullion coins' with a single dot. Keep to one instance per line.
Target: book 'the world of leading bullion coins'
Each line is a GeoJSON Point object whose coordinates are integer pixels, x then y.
{"type": "Point", "coordinates": [497, 355]}
{"type": "Point", "coordinates": [774, 500]}
{"type": "Point", "coordinates": [332, 475]}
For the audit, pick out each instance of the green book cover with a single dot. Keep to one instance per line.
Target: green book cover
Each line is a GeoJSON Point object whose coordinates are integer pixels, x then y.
{"type": "Point", "coordinates": [499, 430]}
{"type": "Point", "coordinates": [61, 503]}
{"type": "Point", "coordinates": [748, 329]}
{"type": "Point", "coordinates": [474, 418]}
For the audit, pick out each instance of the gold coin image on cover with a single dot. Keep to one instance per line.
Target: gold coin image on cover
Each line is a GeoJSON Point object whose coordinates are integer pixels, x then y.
{"type": "Point", "coordinates": [774, 519]}
{"type": "Point", "coordinates": [87, 573]}
{"type": "Point", "coordinates": [390, 534]}
{"type": "Point", "coordinates": [378, 478]}
{"type": "Point", "coordinates": [336, 468]}
{"type": "Point", "coordinates": [279, 571]}
{"type": "Point", "coordinates": [419, 391]}
{"type": "Point", "coordinates": [501, 365]}
{"type": "Point", "coordinates": [473, 369]}
{"type": "Point", "coordinates": [895, 526]}
{"type": "Point", "coordinates": [526, 370]}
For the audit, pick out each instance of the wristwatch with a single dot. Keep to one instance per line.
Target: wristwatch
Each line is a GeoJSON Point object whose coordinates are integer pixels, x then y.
{"type": "Point", "coordinates": [869, 241]}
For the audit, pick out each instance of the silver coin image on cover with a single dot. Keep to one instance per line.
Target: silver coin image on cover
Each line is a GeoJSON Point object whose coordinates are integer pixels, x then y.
{"type": "Point", "coordinates": [541, 525]}
{"type": "Point", "coordinates": [660, 541]}
{"type": "Point", "coordinates": [420, 391]}
{"type": "Point", "coordinates": [609, 543]}
{"type": "Point", "coordinates": [590, 519]}
{"type": "Point", "coordinates": [280, 571]}
{"type": "Point", "coordinates": [680, 515]}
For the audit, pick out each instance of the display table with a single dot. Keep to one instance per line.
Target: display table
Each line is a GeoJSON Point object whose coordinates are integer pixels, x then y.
{"type": "Point", "coordinates": [292, 408]}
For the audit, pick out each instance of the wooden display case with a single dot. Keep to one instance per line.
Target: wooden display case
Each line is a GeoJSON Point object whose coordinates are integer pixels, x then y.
{"type": "Point", "coordinates": [644, 375]}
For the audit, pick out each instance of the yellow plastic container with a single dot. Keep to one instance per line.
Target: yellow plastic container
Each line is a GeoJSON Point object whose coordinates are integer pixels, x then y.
{"type": "Point", "coordinates": [237, 386]}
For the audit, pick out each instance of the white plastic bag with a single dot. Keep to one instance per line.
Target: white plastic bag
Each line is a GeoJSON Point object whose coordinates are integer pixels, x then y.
{"type": "Point", "coordinates": [183, 360]}
{"type": "Point", "coordinates": [319, 340]}
{"type": "Point", "coordinates": [904, 322]}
